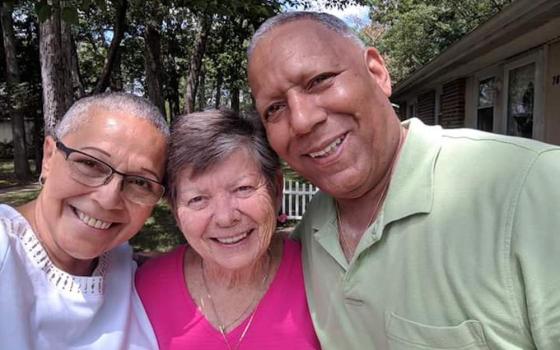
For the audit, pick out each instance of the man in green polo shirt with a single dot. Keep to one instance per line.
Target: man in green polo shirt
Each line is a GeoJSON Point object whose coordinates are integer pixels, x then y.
{"type": "Point", "coordinates": [421, 238]}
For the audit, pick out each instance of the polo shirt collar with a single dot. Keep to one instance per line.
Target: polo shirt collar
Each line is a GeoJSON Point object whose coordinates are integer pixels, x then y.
{"type": "Point", "coordinates": [411, 189]}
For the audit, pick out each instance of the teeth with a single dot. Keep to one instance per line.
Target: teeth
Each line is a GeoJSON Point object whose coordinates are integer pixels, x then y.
{"type": "Point", "coordinates": [93, 222]}
{"type": "Point", "coordinates": [330, 148]}
{"type": "Point", "coordinates": [234, 239]}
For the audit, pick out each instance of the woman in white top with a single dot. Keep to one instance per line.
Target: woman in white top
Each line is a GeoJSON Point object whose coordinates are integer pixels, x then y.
{"type": "Point", "coordinates": [66, 272]}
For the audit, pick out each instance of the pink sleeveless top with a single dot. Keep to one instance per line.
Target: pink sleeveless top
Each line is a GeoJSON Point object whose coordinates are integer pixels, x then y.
{"type": "Point", "coordinates": [281, 320]}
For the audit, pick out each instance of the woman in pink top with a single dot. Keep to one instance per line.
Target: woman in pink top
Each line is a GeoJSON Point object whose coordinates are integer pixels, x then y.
{"type": "Point", "coordinates": [236, 285]}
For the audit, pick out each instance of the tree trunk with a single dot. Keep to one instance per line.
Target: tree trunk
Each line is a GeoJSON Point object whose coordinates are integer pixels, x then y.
{"type": "Point", "coordinates": [218, 96]}
{"type": "Point", "coordinates": [38, 138]}
{"type": "Point", "coordinates": [235, 99]}
{"type": "Point", "coordinates": [21, 165]}
{"type": "Point", "coordinates": [116, 77]}
{"type": "Point", "coordinates": [224, 35]}
{"type": "Point", "coordinates": [173, 96]}
{"type": "Point", "coordinates": [196, 63]}
{"type": "Point", "coordinates": [152, 61]}
{"type": "Point", "coordinates": [67, 58]}
{"type": "Point", "coordinates": [118, 34]}
{"type": "Point", "coordinates": [77, 81]}
{"type": "Point", "coordinates": [201, 90]}
{"type": "Point", "coordinates": [56, 77]}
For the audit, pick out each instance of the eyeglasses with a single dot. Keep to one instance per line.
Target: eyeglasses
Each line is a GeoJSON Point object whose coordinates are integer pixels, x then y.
{"type": "Point", "coordinates": [92, 172]}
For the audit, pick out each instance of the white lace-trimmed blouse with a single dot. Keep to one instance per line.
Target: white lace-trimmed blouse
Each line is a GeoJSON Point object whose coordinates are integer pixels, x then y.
{"type": "Point", "coordinates": [43, 307]}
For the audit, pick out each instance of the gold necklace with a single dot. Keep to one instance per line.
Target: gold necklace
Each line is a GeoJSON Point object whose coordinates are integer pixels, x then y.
{"type": "Point", "coordinates": [346, 249]}
{"type": "Point", "coordinates": [221, 326]}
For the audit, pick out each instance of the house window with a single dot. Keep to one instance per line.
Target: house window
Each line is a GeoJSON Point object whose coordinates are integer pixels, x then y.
{"type": "Point", "coordinates": [486, 97]}
{"type": "Point", "coordinates": [521, 99]}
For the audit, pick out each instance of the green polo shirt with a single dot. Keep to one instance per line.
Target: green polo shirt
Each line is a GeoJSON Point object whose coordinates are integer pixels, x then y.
{"type": "Point", "coordinates": [465, 253]}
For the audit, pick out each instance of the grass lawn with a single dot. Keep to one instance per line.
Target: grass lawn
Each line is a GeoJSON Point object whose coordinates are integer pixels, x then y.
{"type": "Point", "coordinates": [7, 176]}
{"type": "Point", "coordinates": [159, 233]}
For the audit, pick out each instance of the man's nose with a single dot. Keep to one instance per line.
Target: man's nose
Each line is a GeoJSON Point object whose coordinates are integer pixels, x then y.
{"type": "Point", "coordinates": [305, 113]}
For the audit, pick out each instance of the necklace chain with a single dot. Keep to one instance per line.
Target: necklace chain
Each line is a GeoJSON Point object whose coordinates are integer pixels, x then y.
{"type": "Point", "coordinates": [223, 327]}
{"type": "Point", "coordinates": [346, 249]}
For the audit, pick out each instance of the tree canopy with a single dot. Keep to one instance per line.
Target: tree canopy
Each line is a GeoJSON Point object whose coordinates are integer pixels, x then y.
{"type": "Point", "coordinates": [184, 55]}
{"type": "Point", "coordinates": [412, 32]}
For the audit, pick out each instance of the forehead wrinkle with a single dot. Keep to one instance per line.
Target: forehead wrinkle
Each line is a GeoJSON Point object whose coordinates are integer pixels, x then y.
{"type": "Point", "coordinates": [316, 49]}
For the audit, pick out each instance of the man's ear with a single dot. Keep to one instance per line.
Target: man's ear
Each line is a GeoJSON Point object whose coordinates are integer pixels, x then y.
{"type": "Point", "coordinates": [376, 67]}
{"type": "Point", "coordinates": [49, 150]}
{"type": "Point", "coordinates": [279, 184]}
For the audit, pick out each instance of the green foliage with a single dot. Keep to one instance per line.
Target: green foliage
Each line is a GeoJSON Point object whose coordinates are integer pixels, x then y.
{"type": "Point", "coordinates": [177, 21]}
{"type": "Point", "coordinates": [69, 8]}
{"type": "Point", "coordinates": [415, 31]}
{"type": "Point", "coordinates": [233, 22]}
{"type": "Point", "coordinates": [43, 10]}
{"type": "Point", "coordinates": [70, 15]}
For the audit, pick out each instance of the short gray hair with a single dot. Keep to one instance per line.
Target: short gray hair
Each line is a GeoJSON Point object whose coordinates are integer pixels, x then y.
{"type": "Point", "coordinates": [134, 105]}
{"type": "Point", "coordinates": [203, 139]}
{"type": "Point", "coordinates": [329, 21]}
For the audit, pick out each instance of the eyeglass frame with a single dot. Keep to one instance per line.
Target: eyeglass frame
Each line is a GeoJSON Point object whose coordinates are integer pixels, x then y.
{"type": "Point", "coordinates": [68, 150]}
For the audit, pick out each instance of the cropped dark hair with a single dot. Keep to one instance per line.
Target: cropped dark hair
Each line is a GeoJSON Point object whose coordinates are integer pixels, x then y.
{"type": "Point", "coordinates": [327, 20]}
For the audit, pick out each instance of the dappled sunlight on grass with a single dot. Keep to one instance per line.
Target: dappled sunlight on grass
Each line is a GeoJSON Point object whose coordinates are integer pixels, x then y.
{"type": "Point", "coordinates": [159, 233]}
{"type": "Point", "coordinates": [6, 166]}
{"type": "Point", "coordinates": [7, 176]}
{"type": "Point", "coordinates": [18, 197]}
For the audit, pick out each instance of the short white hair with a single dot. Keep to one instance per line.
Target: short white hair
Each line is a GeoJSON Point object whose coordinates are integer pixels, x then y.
{"type": "Point", "coordinates": [134, 105]}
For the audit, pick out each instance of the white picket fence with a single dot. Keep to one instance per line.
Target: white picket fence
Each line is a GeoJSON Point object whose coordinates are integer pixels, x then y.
{"type": "Point", "coordinates": [296, 196]}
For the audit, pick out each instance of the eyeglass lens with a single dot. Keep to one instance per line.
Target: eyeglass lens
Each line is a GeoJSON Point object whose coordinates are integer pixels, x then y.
{"type": "Point", "coordinates": [91, 172]}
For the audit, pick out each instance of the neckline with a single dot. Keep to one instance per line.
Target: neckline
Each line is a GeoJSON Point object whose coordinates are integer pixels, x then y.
{"type": "Point", "coordinates": [61, 280]}
{"type": "Point", "coordinates": [235, 332]}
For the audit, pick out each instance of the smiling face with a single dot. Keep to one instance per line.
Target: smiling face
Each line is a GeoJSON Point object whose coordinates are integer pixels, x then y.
{"type": "Point", "coordinates": [324, 103]}
{"type": "Point", "coordinates": [77, 223]}
{"type": "Point", "coordinates": [227, 213]}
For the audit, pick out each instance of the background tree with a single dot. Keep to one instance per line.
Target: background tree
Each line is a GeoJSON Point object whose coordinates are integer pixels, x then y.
{"type": "Point", "coordinates": [55, 45]}
{"type": "Point", "coordinates": [112, 55]}
{"type": "Point", "coordinates": [412, 32]}
{"type": "Point", "coordinates": [184, 55]}
{"type": "Point", "coordinates": [14, 90]}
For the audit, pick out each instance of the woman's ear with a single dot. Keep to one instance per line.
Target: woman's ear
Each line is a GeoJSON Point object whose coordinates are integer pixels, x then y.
{"type": "Point", "coordinates": [49, 150]}
{"type": "Point", "coordinates": [377, 69]}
